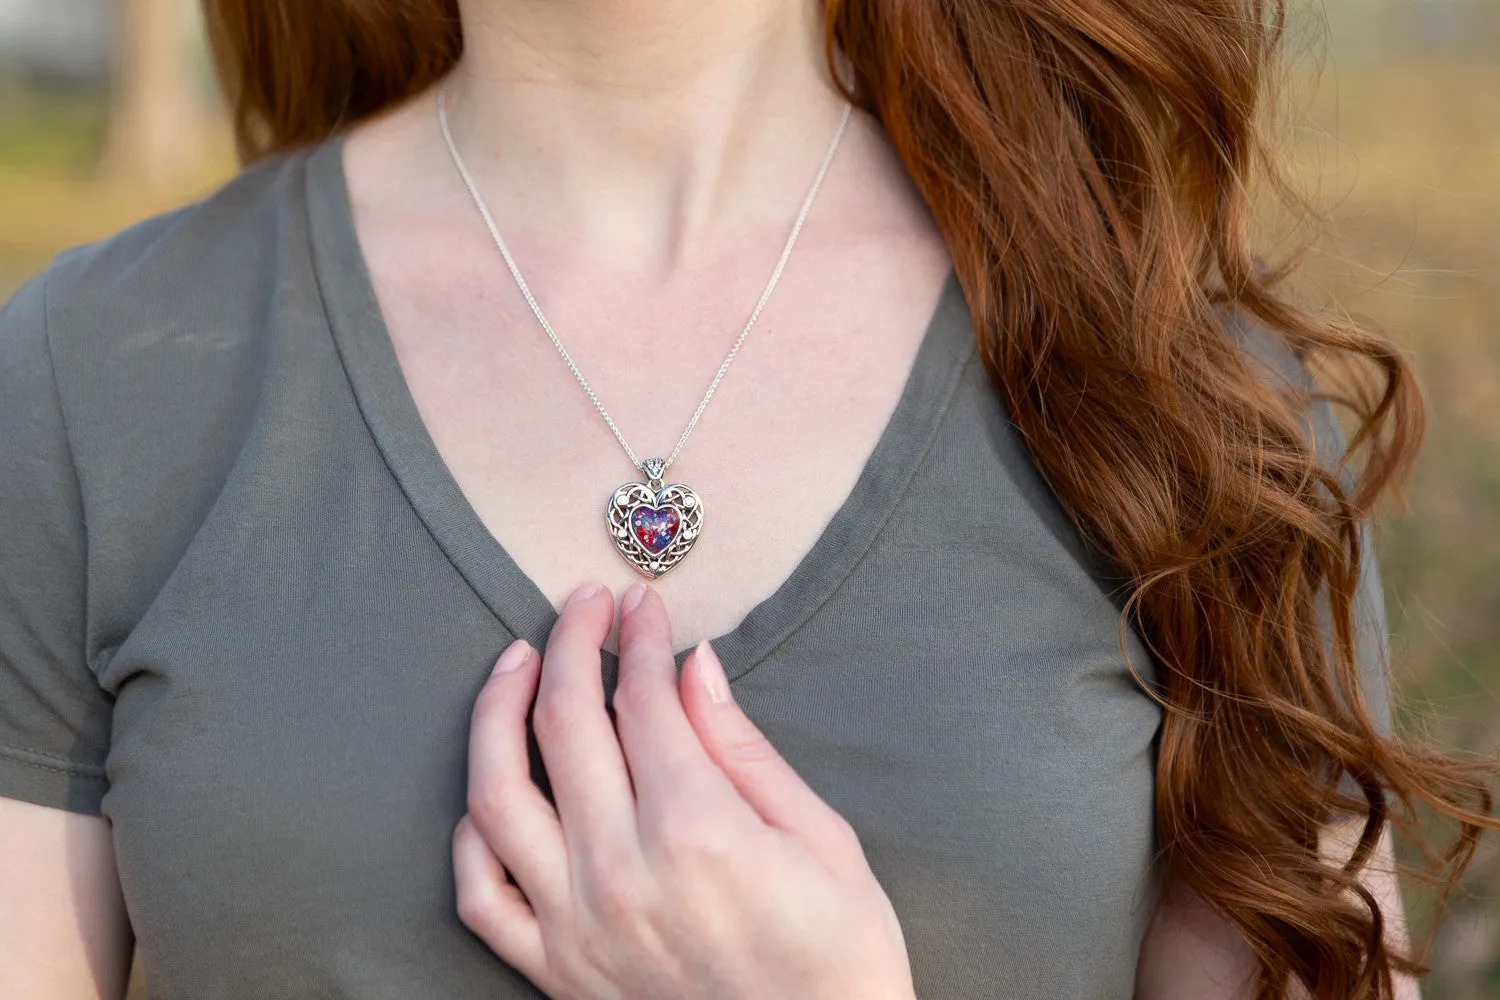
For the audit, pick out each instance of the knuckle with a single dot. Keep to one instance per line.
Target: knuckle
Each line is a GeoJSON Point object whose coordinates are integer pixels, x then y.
{"type": "Point", "coordinates": [556, 716]}
{"type": "Point", "coordinates": [643, 639]}
{"type": "Point", "coordinates": [492, 700]}
{"type": "Point", "coordinates": [693, 841]}
{"type": "Point", "coordinates": [752, 748]}
{"type": "Point", "coordinates": [616, 900]}
{"type": "Point", "coordinates": [456, 847]}
{"type": "Point", "coordinates": [490, 805]}
{"type": "Point", "coordinates": [473, 907]}
{"type": "Point", "coordinates": [633, 695]}
{"type": "Point", "coordinates": [472, 899]}
{"type": "Point", "coordinates": [845, 835]}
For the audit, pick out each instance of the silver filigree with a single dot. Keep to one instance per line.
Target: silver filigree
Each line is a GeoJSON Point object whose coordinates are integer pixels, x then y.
{"type": "Point", "coordinates": [653, 495]}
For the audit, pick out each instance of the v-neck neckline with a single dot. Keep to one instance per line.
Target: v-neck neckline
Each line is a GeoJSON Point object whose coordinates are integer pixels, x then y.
{"type": "Point", "coordinates": [384, 397]}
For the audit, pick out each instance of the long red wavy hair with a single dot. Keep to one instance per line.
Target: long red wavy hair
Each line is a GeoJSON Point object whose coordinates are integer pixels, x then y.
{"type": "Point", "coordinates": [1089, 164]}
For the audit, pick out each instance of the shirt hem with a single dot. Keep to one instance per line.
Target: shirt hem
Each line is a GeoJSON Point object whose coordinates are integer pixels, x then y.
{"type": "Point", "coordinates": [48, 780]}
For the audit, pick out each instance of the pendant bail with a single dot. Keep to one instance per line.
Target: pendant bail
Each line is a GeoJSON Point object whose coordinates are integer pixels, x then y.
{"type": "Point", "coordinates": [655, 469]}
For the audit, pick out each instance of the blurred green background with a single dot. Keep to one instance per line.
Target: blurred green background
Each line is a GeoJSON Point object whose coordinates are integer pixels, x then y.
{"type": "Point", "coordinates": [108, 113]}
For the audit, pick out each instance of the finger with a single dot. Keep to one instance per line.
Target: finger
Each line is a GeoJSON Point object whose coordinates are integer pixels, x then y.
{"type": "Point", "coordinates": [492, 907]}
{"type": "Point", "coordinates": [507, 808]}
{"type": "Point", "coordinates": [579, 748]}
{"type": "Point", "coordinates": [668, 764]}
{"type": "Point", "coordinates": [761, 775]}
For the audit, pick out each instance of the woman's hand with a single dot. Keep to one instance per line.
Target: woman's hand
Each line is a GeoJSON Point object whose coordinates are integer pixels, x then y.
{"type": "Point", "coordinates": [684, 859]}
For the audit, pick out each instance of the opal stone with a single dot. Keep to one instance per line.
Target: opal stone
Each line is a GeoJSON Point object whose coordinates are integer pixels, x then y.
{"type": "Point", "coordinates": [655, 527]}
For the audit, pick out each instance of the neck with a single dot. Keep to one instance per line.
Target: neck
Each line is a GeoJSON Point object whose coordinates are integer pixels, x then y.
{"type": "Point", "coordinates": [648, 124]}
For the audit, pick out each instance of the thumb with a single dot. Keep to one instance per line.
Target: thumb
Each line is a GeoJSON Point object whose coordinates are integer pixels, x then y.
{"type": "Point", "coordinates": [757, 771]}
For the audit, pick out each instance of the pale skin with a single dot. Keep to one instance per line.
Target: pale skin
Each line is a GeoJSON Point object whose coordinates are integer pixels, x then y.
{"type": "Point", "coordinates": [643, 160]}
{"type": "Point", "coordinates": [684, 857]}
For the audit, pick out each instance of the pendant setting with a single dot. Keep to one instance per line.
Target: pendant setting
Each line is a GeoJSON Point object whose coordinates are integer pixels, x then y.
{"type": "Point", "coordinates": [654, 525]}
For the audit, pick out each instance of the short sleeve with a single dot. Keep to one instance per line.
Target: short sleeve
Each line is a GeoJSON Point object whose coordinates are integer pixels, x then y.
{"type": "Point", "coordinates": [1279, 365]}
{"type": "Point", "coordinates": [54, 717]}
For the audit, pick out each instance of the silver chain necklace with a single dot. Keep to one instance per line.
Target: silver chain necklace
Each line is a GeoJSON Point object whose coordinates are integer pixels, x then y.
{"type": "Point", "coordinates": [652, 524]}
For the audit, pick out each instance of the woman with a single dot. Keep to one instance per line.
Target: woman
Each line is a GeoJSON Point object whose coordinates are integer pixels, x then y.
{"type": "Point", "coordinates": [1014, 525]}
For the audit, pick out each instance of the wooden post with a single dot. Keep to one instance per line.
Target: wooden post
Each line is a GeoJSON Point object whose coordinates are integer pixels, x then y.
{"type": "Point", "coordinates": [157, 122]}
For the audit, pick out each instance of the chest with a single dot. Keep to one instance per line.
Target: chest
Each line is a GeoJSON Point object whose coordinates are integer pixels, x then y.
{"type": "Point", "coordinates": [777, 449]}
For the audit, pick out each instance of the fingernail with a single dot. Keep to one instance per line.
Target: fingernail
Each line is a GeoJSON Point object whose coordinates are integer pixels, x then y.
{"type": "Point", "coordinates": [584, 593]}
{"type": "Point", "coordinates": [711, 672]}
{"type": "Point", "coordinates": [633, 597]}
{"type": "Point", "coordinates": [515, 654]}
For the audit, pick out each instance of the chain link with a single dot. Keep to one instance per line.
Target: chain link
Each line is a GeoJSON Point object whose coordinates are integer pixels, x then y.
{"type": "Point", "coordinates": [515, 272]}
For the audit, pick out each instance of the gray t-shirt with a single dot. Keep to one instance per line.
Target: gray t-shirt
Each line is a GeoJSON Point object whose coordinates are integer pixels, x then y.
{"type": "Point", "coordinates": [245, 610]}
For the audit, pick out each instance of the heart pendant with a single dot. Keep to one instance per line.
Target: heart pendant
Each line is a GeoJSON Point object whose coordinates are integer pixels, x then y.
{"type": "Point", "coordinates": [654, 525]}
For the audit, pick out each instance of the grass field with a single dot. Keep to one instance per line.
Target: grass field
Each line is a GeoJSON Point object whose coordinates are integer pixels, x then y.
{"type": "Point", "coordinates": [1406, 154]}
{"type": "Point", "coordinates": [1411, 171]}
{"type": "Point", "coordinates": [1404, 148]}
